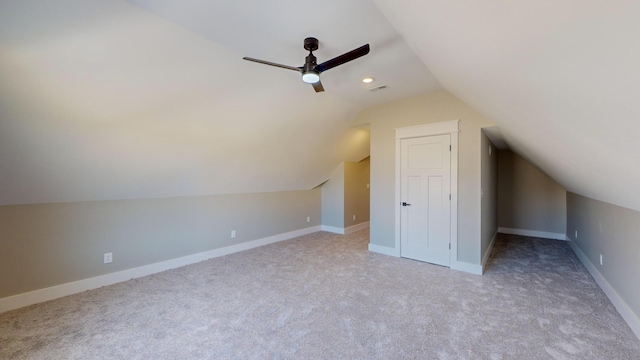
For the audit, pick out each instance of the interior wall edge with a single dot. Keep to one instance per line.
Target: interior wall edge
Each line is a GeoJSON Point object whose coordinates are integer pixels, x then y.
{"type": "Point", "coordinates": [487, 254]}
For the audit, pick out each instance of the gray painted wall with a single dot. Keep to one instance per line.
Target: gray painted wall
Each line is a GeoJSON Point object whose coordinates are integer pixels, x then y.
{"type": "Point", "coordinates": [527, 198]}
{"type": "Point", "coordinates": [333, 199]}
{"type": "Point", "coordinates": [428, 108]}
{"type": "Point", "coordinates": [44, 245]}
{"type": "Point", "coordinates": [356, 193]}
{"type": "Point", "coordinates": [489, 184]}
{"type": "Point", "coordinates": [614, 232]}
{"type": "Point", "coordinates": [346, 194]}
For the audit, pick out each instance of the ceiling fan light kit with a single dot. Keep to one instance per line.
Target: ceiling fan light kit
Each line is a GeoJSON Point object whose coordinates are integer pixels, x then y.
{"type": "Point", "coordinates": [311, 70]}
{"type": "Point", "coordinates": [310, 77]}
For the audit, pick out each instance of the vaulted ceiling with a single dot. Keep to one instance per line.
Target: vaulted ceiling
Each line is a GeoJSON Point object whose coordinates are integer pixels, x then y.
{"type": "Point", "coordinates": [560, 78]}
{"type": "Point", "coordinates": [114, 99]}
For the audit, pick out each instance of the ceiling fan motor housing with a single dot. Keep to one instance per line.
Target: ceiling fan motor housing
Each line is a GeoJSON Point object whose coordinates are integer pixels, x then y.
{"type": "Point", "coordinates": [311, 44]}
{"type": "Point", "coordinates": [310, 64]}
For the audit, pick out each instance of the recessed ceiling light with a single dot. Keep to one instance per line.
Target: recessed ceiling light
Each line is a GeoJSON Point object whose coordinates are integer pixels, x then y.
{"type": "Point", "coordinates": [367, 80]}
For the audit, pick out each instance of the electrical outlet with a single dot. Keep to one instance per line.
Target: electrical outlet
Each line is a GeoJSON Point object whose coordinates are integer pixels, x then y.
{"type": "Point", "coordinates": [354, 218]}
{"type": "Point", "coordinates": [576, 234]}
{"type": "Point", "coordinates": [308, 218]}
{"type": "Point", "coordinates": [108, 257]}
{"type": "Point", "coordinates": [367, 186]}
{"type": "Point", "coordinates": [233, 234]}
{"type": "Point", "coordinates": [600, 259]}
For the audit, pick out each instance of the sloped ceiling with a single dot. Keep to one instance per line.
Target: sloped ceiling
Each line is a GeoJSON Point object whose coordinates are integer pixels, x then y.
{"type": "Point", "coordinates": [108, 100]}
{"type": "Point", "coordinates": [112, 99]}
{"type": "Point", "coordinates": [560, 78]}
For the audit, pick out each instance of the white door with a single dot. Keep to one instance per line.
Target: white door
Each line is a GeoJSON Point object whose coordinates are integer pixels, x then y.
{"type": "Point", "coordinates": [425, 173]}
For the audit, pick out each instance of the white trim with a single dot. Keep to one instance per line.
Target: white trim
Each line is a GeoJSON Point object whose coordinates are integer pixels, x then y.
{"type": "Point", "coordinates": [454, 196]}
{"type": "Point", "coordinates": [438, 128]}
{"type": "Point", "coordinates": [625, 311]}
{"type": "Point", "coordinates": [475, 269]}
{"type": "Point", "coordinates": [332, 229]}
{"type": "Point", "coordinates": [384, 250]}
{"type": "Point", "coordinates": [487, 253]}
{"type": "Point", "coordinates": [533, 233]}
{"type": "Point", "coordinates": [54, 292]}
{"type": "Point", "coordinates": [356, 227]}
{"type": "Point", "coordinates": [349, 230]}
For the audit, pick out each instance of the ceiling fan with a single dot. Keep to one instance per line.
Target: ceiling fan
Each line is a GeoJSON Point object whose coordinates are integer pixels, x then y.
{"type": "Point", "coordinates": [311, 70]}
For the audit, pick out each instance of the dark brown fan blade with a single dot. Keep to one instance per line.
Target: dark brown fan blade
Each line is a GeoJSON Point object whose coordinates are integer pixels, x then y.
{"type": "Point", "coordinates": [318, 86]}
{"type": "Point", "coordinates": [273, 64]}
{"type": "Point", "coordinates": [339, 60]}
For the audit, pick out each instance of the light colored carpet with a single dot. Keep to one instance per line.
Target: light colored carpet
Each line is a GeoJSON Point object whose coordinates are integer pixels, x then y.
{"type": "Point", "coordinates": [323, 296]}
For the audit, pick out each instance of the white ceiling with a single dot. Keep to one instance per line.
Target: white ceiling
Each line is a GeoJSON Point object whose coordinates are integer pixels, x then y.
{"type": "Point", "coordinates": [110, 99]}
{"type": "Point", "coordinates": [113, 99]}
{"type": "Point", "coordinates": [560, 78]}
{"type": "Point", "coordinates": [274, 31]}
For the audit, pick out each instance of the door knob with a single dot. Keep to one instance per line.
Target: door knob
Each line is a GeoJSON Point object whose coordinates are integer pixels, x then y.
{"type": "Point", "coordinates": [405, 204]}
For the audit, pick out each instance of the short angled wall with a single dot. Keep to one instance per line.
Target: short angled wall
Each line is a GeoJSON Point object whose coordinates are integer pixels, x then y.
{"type": "Point", "coordinates": [605, 238]}
{"type": "Point", "coordinates": [54, 292]}
{"type": "Point", "coordinates": [59, 246]}
{"type": "Point", "coordinates": [623, 308]}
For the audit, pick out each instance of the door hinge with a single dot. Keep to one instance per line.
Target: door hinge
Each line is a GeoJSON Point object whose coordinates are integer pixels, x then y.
{"type": "Point", "coordinates": [449, 147]}
{"type": "Point", "coordinates": [449, 246]}
{"type": "Point", "coordinates": [449, 197]}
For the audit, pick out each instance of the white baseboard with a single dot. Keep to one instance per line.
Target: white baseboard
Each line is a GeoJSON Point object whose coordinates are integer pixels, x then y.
{"type": "Point", "coordinates": [625, 311]}
{"type": "Point", "coordinates": [487, 253]}
{"type": "Point", "coordinates": [467, 267]}
{"type": "Point", "coordinates": [344, 231]}
{"type": "Point", "coordinates": [384, 250]}
{"type": "Point", "coordinates": [356, 227]}
{"type": "Point", "coordinates": [456, 265]}
{"type": "Point", "coordinates": [533, 233]}
{"type": "Point", "coordinates": [332, 229]}
{"type": "Point", "coordinates": [54, 292]}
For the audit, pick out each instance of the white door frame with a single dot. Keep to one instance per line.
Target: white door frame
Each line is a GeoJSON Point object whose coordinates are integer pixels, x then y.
{"type": "Point", "coordinates": [439, 128]}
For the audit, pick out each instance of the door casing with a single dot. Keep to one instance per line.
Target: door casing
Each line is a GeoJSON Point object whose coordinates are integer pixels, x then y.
{"type": "Point", "coordinates": [439, 128]}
